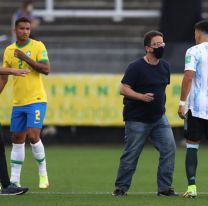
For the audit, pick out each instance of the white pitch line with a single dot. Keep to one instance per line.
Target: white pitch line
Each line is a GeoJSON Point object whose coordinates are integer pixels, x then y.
{"type": "Point", "coordinates": [87, 193]}
{"type": "Point", "coordinates": [101, 193]}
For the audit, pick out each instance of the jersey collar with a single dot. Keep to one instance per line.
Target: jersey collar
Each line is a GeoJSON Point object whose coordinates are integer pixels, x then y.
{"type": "Point", "coordinates": [29, 40]}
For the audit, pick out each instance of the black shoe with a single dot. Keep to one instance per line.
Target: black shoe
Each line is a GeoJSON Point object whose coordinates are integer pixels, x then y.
{"type": "Point", "coordinates": [118, 192]}
{"type": "Point", "coordinates": [12, 189]}
{"type": "Point", "coordinates": [169, 192]}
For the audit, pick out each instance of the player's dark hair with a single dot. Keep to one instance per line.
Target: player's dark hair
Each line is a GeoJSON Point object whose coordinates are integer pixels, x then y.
{"type": "Point", "coordinates": [22, 19]}
{"type": "Point", "coordinates": [149, 35]}
{"type": "Point", "coordinates": [202, 26]}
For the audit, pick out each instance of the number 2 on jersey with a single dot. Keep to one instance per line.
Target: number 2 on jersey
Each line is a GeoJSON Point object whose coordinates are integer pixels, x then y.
{"type": "Point", "coordinates": [20, 64]}
{"type": "Point", "coordinates": [37, 114]}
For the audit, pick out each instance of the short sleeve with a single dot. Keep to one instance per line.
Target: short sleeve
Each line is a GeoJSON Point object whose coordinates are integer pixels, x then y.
{"type": "Point", "coordinates": [42, 55]}
{"type": "Point", "coordinates": [129, 77]}
{"type": "Point", "coordinates": [191, 59]}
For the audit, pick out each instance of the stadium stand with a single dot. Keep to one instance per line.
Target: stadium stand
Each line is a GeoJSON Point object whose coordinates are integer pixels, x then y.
{"type": "Point", "coordinates": [88, 45]}
{"type": "Point", "coordinates": [83, 45]}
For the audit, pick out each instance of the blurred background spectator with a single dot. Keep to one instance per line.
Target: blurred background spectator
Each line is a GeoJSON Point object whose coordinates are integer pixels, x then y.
{"type": "Point", "coordinates": [26, 10]}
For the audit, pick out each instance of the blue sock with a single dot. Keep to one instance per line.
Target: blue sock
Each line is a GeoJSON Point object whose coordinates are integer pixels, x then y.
{"type": "Point", "coordinates": [191, 165]}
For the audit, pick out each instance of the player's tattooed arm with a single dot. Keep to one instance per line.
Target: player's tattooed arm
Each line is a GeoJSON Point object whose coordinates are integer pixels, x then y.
{"type": "Point", "coordinates": [43, 67]}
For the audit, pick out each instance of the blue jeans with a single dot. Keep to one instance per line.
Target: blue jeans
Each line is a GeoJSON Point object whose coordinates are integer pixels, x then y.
{"type": "Point", "coordinates": [161, 135]}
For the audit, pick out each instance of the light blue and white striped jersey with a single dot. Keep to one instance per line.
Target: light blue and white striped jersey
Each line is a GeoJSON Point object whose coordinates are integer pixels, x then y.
{"type": "Point", "coordinates": [196, 59]}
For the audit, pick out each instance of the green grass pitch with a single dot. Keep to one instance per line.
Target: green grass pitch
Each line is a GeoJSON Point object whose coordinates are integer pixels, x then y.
{"type": "Point", "coordinates": [84, 176]}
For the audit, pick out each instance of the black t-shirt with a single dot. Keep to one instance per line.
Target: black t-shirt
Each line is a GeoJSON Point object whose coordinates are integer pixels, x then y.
{"type": "Point", "coordinates": [146, 78]}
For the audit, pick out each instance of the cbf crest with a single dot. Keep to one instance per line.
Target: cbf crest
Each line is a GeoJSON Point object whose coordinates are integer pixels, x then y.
{"type": "Point", "coordinates": [28, 53]}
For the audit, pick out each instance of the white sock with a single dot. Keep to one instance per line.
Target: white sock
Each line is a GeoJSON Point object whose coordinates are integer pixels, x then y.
{"type": "Point", "coordinates": [39, 154]}
{"type": "Point", "coordinates": [17, 159]}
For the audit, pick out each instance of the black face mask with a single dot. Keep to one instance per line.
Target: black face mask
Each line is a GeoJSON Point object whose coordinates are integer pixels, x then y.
{"type": "Point", "coordinates": [158, 52]}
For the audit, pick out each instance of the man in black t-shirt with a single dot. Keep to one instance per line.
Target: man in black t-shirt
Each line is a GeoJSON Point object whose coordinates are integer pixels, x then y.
{"type": "Point", "coordinates": [143, 87]}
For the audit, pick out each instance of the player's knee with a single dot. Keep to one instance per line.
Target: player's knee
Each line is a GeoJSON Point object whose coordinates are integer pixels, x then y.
{"type": "Point", "coordinates": [18, 139]}
{"type": "Point", "coordinates": [34, 139]}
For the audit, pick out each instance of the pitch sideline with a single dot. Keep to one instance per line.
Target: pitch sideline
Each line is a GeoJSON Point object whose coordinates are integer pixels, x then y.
{"type": "Point", "coordinates": [101, 193]}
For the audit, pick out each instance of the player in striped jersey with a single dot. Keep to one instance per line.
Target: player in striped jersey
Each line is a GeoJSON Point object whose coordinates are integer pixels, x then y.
{"type": "Point", "coordinates": [193, 106]}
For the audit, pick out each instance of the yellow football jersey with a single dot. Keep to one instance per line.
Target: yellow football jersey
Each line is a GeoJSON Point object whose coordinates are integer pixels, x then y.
{"type": "Point", "coordinates": [28, 89]}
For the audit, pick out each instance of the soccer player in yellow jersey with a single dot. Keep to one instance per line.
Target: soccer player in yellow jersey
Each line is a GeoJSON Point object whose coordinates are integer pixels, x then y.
{"type": "Point", "coordinates": [29, 99]}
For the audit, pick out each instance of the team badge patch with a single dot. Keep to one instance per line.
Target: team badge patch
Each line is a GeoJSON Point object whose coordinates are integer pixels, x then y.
{"type": "Point", "coordinates": [188, 59]}
{"type": "Point", "coordinates": [44, 53]}
{"type": "Point", "coordinates": [28, 53]}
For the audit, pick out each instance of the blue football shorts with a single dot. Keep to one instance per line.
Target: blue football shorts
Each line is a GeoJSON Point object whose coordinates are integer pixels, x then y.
{"type": "Point", "coordinates": [28, 116]}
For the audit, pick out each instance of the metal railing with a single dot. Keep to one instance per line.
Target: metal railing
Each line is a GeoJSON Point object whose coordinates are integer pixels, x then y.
{"type": "Point", "coordinates": [117, 14]}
